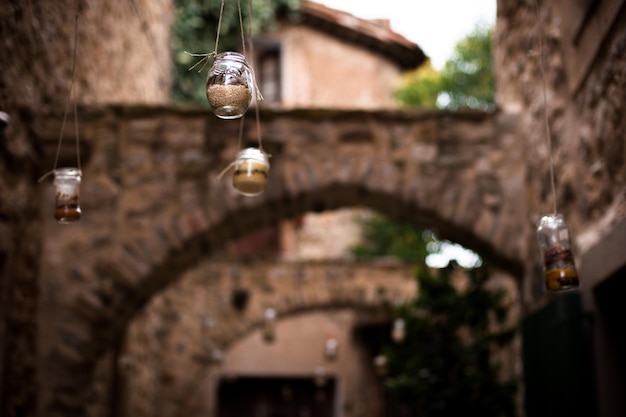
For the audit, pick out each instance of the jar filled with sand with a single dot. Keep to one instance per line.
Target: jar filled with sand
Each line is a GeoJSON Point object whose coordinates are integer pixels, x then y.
{"type": "Point", "coordinates": [229, 85]}
{"type": "Point", "coordinates": [67, 194]}
{"type": "Point", "coordinates": [556, 252]}
{"type": "Point", "coordinates": [251, 172]}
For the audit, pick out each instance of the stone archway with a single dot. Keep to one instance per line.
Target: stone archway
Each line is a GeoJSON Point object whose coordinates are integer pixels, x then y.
{"type": "Point", "coordinates": [169, 347]}
{"type": "Point", "coordinates": [154, 205]}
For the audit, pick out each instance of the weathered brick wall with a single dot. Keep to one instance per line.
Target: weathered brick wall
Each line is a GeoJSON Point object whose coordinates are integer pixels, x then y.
{"type": "Point", "coordinates": [587, 125]}
{"type": "Point", "coordinates": [20, 251]}
{"type": "Point", "coordinates": [167, 356]}
{"type": "Point", "coordinates": [154, 206]}
{"type": "Point", "coordinates": [36, 51]}
{"type": "Point", "coordinates": [169, 344]}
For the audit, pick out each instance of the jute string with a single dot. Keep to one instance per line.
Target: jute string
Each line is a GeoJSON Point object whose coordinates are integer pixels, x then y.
{"type": "Point", "coordinates": [541, 32]}
{"type": "Point", "coordinates": [67, 105]}
{"type": "Point", "coordinates": [257, 93]}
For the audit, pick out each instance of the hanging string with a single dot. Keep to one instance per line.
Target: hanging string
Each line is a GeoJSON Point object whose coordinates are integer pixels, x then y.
{"type": "Point", "coordinates": [243, 39]}
{"type": "Point", "coordinates": [240, 131]}
{"type": "Point", "coordinates": [67, 106]}
{"type": "Point", "coordinates": [76, 134]}
{"type": "Point", "coordinates": [545, 106]}
{"type": "Point", "coordinates": [239, 140]}
{"type": "Point", "coordinates": [258, 95]}
{"type": "Point", "coordinates": [207, 57]}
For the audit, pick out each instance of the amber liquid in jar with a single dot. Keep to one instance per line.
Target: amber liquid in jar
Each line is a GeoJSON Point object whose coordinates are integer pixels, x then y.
{"type": "Point", "coordinates": [250, 177]}
{"type": "Point", "coordinates": [67, 210]}
{"type": "Point", "coordinates": [561, 279]}
{"type": "Point", "coordinates": [560, 273]}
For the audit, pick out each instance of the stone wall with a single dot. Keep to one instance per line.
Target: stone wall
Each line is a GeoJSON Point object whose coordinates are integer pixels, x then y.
{"type": "Point", "coordinates": [37, 50]}
{"type": "Point", "coordinates": [154, 205]}
{"type": "Point", "coordinates": [194, 333]}
{"type": "Point", "coordinates": [180, 339]}
{"type": "Point", "coordinates": [584, 49]}
{"type": "Point", "coordinates": [587, 123]}
{"type": "Point", "coordinates": [20, 251]}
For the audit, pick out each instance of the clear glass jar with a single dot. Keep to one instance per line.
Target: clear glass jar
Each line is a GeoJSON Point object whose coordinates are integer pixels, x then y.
{"type": "Point", "coordinates": [330, 349]}
{"type": "Point", "coordinates": [556, 252]}
{"type": "Point", "coordinates": [67, 194]}
{"type": "Point", "coordinates": [251, 172]}
{"type": "Point", "coordinates": [381, 365]}
{"type": "Point", "coordinates": [229, 85]}
{"type": "Point", "coordinates": [398, 331]}
{"type": "Point", "coordinates": [269, 325]}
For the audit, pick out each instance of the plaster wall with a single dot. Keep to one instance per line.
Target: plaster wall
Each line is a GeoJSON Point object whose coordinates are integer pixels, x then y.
{"type": "Point", "coordinates": [321, 71]}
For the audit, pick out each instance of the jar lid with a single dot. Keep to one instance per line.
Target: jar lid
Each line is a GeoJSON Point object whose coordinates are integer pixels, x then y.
{"type": "Point", "coordinates": [254, 154]}
{"type": "Point", "coordinates": [67, 172]}
{"type": "Point", "coordinates": [235, 56]}
{"type": "Point", "coordinates": [551, 218]}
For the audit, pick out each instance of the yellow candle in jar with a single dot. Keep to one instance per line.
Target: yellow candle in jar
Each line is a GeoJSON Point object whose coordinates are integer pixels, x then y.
{"type": "Point", "coordinates": [250, 177]}
{"type": "Point", "coordinates": [561, 279]}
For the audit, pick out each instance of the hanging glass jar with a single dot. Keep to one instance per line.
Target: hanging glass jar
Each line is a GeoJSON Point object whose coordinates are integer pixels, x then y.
{"type": "Point", "coordinates": [251, 172]}
{"type": "Point", "coordinates": [320, 376]}
{"type": "Point", "coordinates": [556, 251]}
{"type": "Point", "coordinates": [269, 325]}
{"type": "Point", "coordinates": [67, 194]}
{"type": "Point", "coordinates": [229, 85]}
{"type": "Point", "coordinates": [381, 365]}
{"type": "Point", "coordinates": [330, 349]}
{"type": "Point", "coordinates": [398, 331]}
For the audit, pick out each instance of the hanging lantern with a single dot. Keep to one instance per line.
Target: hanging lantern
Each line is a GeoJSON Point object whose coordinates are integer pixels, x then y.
{"type": "Point", "coordinates": [251, 172]}
{"type": "Point", "coordinates": [67, 193]}
{"type": "Point", "coordinates": [269, 325]}
{"type": "Point", "coordinates": [556, 251]}
{"type": "Point", "coordinates": [229, 85]}
{"type": "Point", "coordinates": [320, 376]}
{"type": "Point", "coordinates": [330, 349]}
{"type": "Point", "coordinates": [398, 331]}
{"type": "Point", "coordinates": [380, 365]}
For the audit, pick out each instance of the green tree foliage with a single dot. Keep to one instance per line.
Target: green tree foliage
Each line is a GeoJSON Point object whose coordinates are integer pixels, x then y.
{"type": "Point", "coordinates": [195, 31]}
{"type": "Point", "coordinates": [443, 368]}
{"type": "Point", "coordinates": [384, 237]}
{"type": "Point", "coordinates": [421, 87]}
{"type": "Point", "coordinates": [466, 80]}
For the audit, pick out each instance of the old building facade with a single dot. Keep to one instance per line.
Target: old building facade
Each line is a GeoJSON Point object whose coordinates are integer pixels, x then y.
{"type": "Point", "coordinates": [155, 208]}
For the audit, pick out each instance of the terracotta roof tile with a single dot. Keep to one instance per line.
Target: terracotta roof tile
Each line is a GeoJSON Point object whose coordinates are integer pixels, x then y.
{"type": "Point", "coordinates": [375, 35]}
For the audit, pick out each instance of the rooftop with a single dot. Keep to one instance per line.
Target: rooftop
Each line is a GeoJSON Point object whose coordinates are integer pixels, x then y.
{"type": "Point", "coordinates": [375, 35]}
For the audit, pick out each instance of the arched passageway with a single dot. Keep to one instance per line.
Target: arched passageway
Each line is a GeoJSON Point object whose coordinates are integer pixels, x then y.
{"type": "Point", "coordinates": [173, 349]}
{"type": "Point", "coordinates": [154, 205]}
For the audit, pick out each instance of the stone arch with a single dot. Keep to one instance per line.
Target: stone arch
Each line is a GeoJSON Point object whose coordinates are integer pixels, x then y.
{"type": "Point", "coordinates": [202, 295]}
{"type": "Point", "coordinates": [457, 172]}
